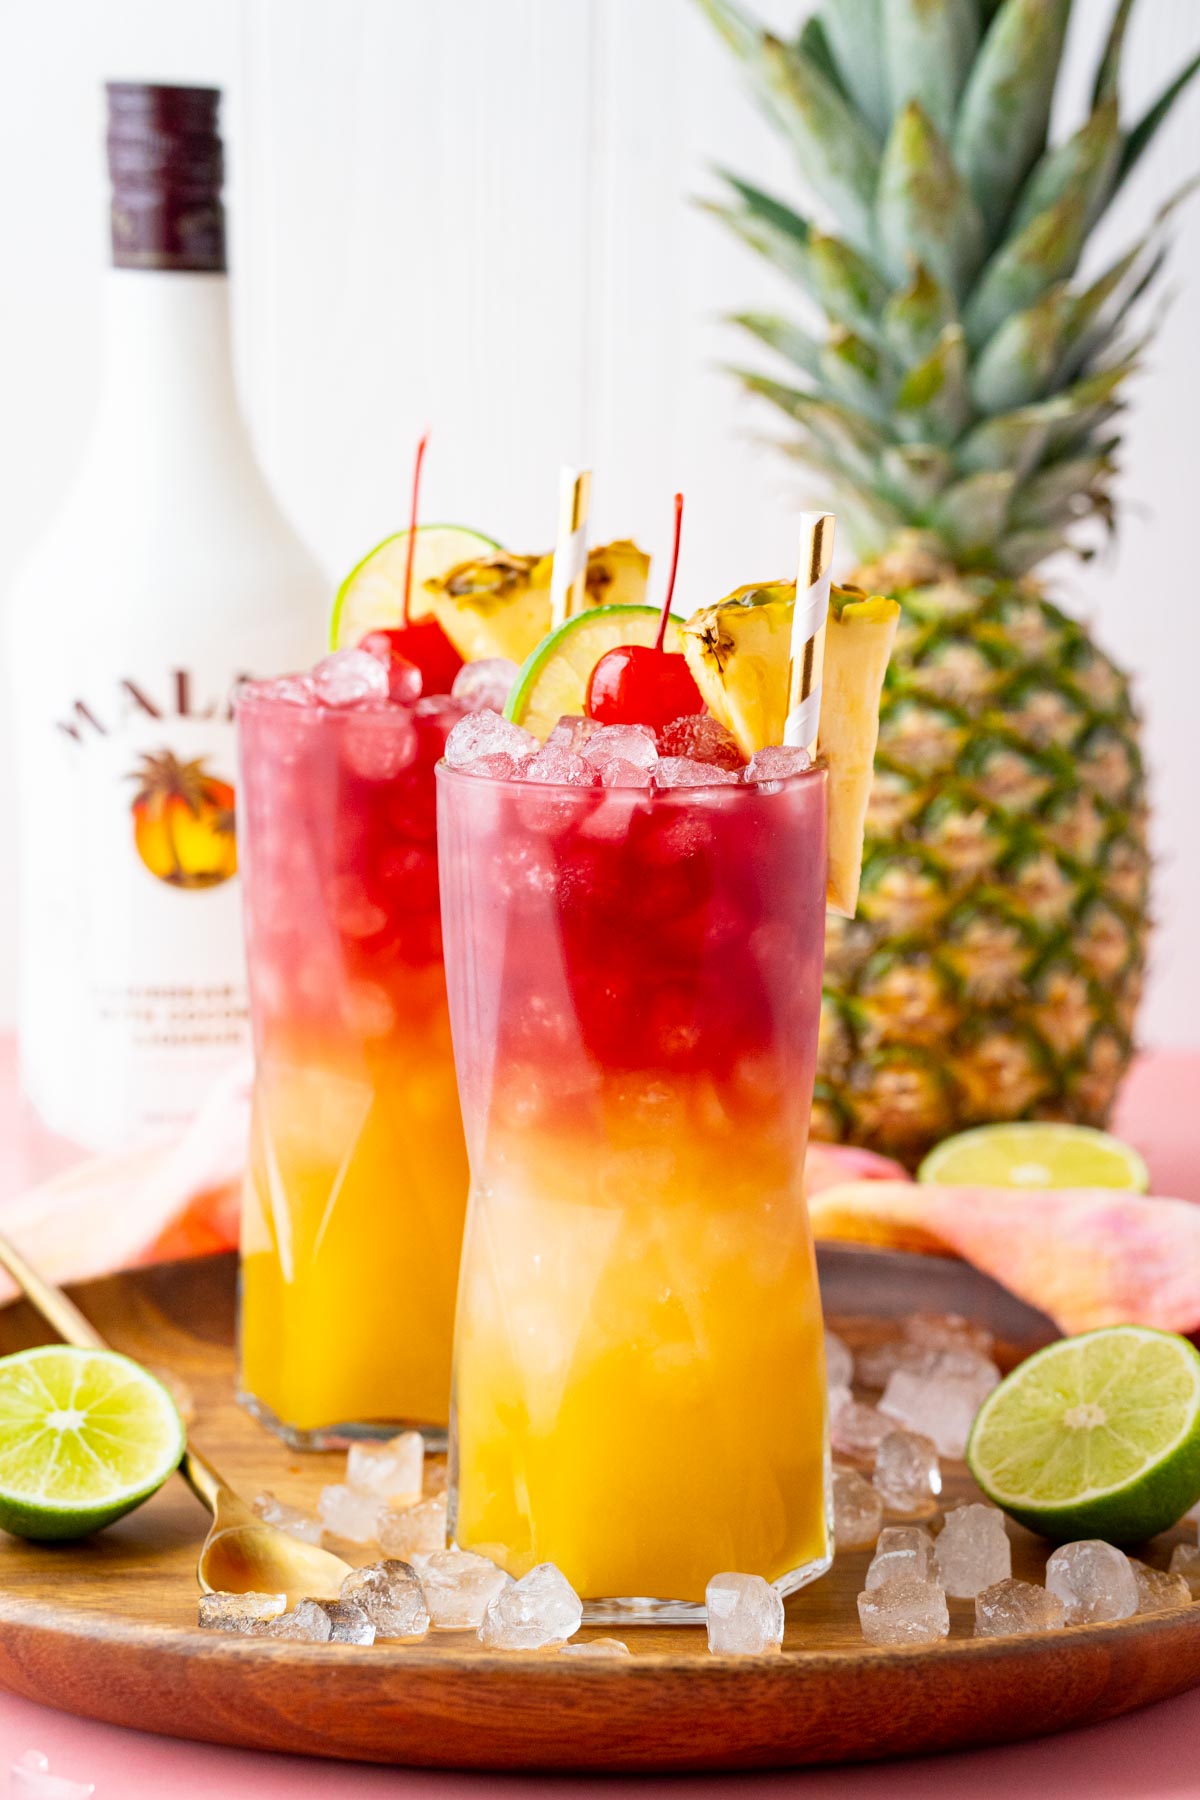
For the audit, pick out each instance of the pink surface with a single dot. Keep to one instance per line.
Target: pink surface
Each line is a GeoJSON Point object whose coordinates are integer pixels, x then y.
{"type": "Point", "coordinates": [1150, 1755]}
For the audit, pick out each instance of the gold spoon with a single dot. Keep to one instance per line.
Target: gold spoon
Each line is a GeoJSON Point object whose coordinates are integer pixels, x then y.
{"type": "Point", "coordinates": [241, 1554]}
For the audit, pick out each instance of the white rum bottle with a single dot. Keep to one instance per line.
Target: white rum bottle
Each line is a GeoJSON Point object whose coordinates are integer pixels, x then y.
{"type": "Point", "coordinates": [169, 573]}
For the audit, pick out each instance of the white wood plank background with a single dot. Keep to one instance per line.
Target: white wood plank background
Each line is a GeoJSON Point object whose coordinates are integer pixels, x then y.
{"type": "Point", "coordinates": [477, 216]}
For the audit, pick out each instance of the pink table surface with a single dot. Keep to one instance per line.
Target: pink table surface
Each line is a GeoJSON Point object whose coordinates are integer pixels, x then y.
{"type": "Point", "coordinates": [1151, 1755]}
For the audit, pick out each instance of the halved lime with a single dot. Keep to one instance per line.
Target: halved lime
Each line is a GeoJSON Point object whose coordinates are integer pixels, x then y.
{"type": "Point", "coordinates": [372, 596]}
{"type": "Point", "coordinates": [552, 681]}
{"type": "Point", "coordinates": [1095, 1436]}
{"type": "Point", "coordinates": [85, 1436]}
{"type": "Point", "coordinates": [1036, 1155]}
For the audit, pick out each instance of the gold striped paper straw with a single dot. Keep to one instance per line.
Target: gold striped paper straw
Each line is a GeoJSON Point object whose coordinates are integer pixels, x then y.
{"type": "Point", "coordinates": [808, 630]}
{"type": "Point", "coordinates": [568, 577]}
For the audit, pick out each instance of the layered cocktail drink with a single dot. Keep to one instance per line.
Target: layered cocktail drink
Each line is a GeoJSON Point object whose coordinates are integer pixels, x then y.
{"type": "Point", "coordinates": [357, 1180]}
{"type": "Point", "coordinates": [634, 948]}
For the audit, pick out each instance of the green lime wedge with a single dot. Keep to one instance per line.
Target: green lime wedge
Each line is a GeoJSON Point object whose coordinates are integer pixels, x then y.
{"type": "Point", "coordinates": [372, 596]}
{"type": "Point", "coordinates": [1036, 1155]}
{"type": "Point", "coordinates": [552, 681]}
{"type": "Point", "coordinates": [1095, 1436]}
{"type": "Point", "coordinates": [85, 1436]}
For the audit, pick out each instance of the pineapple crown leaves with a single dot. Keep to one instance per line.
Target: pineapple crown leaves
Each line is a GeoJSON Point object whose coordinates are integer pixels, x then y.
{"type": "Point", "coordinates": [968, 381]}
{"type": "Point", "coordinates": [161, 776]}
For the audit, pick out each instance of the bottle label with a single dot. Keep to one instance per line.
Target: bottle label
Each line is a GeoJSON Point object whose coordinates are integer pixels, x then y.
{"type": "Point", "coordinates": [139, 782]}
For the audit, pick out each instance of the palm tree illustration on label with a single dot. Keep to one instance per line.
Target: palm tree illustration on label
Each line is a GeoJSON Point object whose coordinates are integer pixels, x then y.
{"type": "Point", "coordinates": [183, 821]}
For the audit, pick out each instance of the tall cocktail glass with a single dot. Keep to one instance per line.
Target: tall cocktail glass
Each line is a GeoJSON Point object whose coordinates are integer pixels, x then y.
{"type": "Point", "coordinates": [634, 983]}
{"type": "Point", "coordinates": [357, 1181]}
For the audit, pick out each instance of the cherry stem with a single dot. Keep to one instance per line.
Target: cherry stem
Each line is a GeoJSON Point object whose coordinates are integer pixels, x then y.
{"type": "Point", "coordinates": [666, 605]}
{"type": "Point", "coordinates": [412, 525]}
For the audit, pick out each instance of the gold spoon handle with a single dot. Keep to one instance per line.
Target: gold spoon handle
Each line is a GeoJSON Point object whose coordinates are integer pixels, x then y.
{"type": "Point", "coordinates": [63, 1316]}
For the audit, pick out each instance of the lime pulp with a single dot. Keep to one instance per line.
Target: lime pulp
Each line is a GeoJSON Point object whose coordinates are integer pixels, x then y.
{"type": "Point", "coordinates": [552, 682]}
{"type": "Point", "coordinates": [85, 1436]}
{"type": "Point", "coordinates": [1039, 1154]}
{"type": "Point", "coordinates": [1095, 1436]}
{"type": "Point", "coordinates": [372, 596]}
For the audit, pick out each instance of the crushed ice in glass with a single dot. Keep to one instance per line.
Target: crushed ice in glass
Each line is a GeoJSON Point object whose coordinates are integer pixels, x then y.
{"type": "Point", "coordinates": [1094, 1582]}
{"type": "Point", "coordinates": [348, 1514]}
{"type": "Point", "coordinates": [857, 1511]}
{"type": "Point", "coordinates": [563, 767]}
{"type": "Point", "coordinates": [904, 1611]}
{"type": "Point", "coordinates": [682, 771]}
{"type": "Point", "coordinates": [349, 1623]}
{"type": "Point", "coordinates": [485, 734]}
{"type": "Point", "coordinates": [391, 1597]}
{"type": "Point", "coordinates": [972, 1551]}
{"type": "Point", "coordinates": [349, 677]}
{"type": "Point", "coordinates": [30, 1779]}
{"type": "Point", "coordinates": [942, 1402]}
{"type": "Point", "coordinates": [621, 743]}
{"type": "Point", "coordinates": [292, 1519]}
{"type": "Point", "coordinates": [242, 1613]}
{"type": "Point", "coordinates": [774, 764]}
{"type": "Point", "coordinates": [908, 1475]}
{"type": "Point", "coordinates": [1157, 1591]}
{"type": "Point", "coordinates": [839, 1362]}
{"type": "Point", "coordinates": [391, 1471]}
{"type": "Point", "coordinates": [903, 1551]}
{"type": "Point", "coordinates": [542, 1608]}
{"type": "Point", "coordinates": [417, 1531]}
{"type": "Point", "coordinates": [596, 1647]}
{"type": "Point", "coordinates": [459, 1587]}
{"type": "Point", "coordinates": [307, 1623]}
{"type": "Point", "coordinates": [484, 683]}
{"type": "Point", "coordinates": [703, 739]}
{"type": "Point", "coordinates": [745, 1615]}
{"type": "Point", "coordinates": [1009, 1606]}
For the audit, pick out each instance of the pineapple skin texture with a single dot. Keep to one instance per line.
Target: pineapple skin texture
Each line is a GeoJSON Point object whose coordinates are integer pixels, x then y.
{"type": "Point", "coordinates": [995, 964]}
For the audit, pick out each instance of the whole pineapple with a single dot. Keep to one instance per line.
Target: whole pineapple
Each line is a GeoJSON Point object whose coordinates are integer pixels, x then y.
{"type": "Point", "coordinates": [963, 402]}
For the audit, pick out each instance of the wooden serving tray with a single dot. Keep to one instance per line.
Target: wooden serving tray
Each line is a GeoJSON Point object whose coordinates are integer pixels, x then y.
{"type": "Point", "coordinates": [106, 1629]}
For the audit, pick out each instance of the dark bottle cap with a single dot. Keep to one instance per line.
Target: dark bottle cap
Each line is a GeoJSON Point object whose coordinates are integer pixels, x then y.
{"type": "Point", "coordinates": [164, 156]}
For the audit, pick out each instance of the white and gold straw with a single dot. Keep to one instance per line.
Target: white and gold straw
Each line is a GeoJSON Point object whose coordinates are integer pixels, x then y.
{"type": "Point", "coordinates": [569, 575]}
{"type": "Point", "coordinates": [808, 630]}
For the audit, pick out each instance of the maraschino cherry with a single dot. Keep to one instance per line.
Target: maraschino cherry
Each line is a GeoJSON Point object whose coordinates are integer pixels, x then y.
{"type": "Point", "coordinates": [419, 643]}
{"type": "Point", "coordinates": [639, 685]}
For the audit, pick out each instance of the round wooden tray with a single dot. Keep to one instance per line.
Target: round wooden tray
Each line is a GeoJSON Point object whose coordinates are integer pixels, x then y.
{"type": "Point", "coordinates": [106, 1629]}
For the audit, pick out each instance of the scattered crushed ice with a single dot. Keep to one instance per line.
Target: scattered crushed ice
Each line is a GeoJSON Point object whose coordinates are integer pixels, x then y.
{"type": "Point", "coordinates": [245, 1614]}
{"type": "Point", "coordinates": [596, 1647]}
{"type": "Point", "coordinates": [774, 764]}
{"type": "Point", "coordinates": [942, 1402]}
{"type": "Point", "coordinates": [621, 743]}
{"type": "Point", "coordinates": [348, 1514]}
{"type": "Point", "coordinates": [1008, 1606]}
{"type": "Point", "coordinates": [348, 1622]}
{"type": "Point", "coordinates": [682, 771]}
{"type": "Point", "coordinates": [705, 740]}
{"type": "Point", "coordinates": [542, 1608]}
{"type": "Point", "coordinates": [1094, 1581]}
{"type": "Point", "coordinates": [1159, 1592]}
{"type": "Point", "coordinates": [904, 1611]}
{"type": "Point", "coordinates": [857, 1430]}
{"type": "Point", "coordinates": [857, 1511]}
{"type": "Point", "coordinates": [908, 1475]}
{"type": "Point", "coordinates": [30, 1779]}
{"type": "Point", "coordinates": [903, 1551]}
{"type": "Point", "coordinates": [1185, 1561]}
{"type": "Point", "coordinates": [307, 1623]}
{"type": "Point", "coordinates": [745, 1615]}
{"type": "Point", "coordinates": [417, 1531]}
{"type": "Point", "coordinates": [390, 1595]}
{"type": "Point", "coordinates": [459, 1587]}
{"type": "Point", "coordinates": [562, 767]}
{"type": "Point", "coordinates": [972, 1551]}
{"type": "Point", "coordinates": [390, 1471]}
{"type": "Point", "coordinates": [839, 1362]}
{"type": "Point", "coordinates": [292, 1519]}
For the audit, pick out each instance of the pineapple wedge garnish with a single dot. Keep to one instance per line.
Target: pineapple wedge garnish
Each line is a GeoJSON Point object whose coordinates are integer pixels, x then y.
{"type": "Point", "coordinates": [500, 605]}
{"type": "Point", "coordinates": [738, 652]}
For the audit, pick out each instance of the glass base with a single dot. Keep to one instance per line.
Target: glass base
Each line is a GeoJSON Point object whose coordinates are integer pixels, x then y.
{"type": "Point", "coordinates": [645, 1611]}
{"type": "Point", "coordinates": [340, 1437]}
